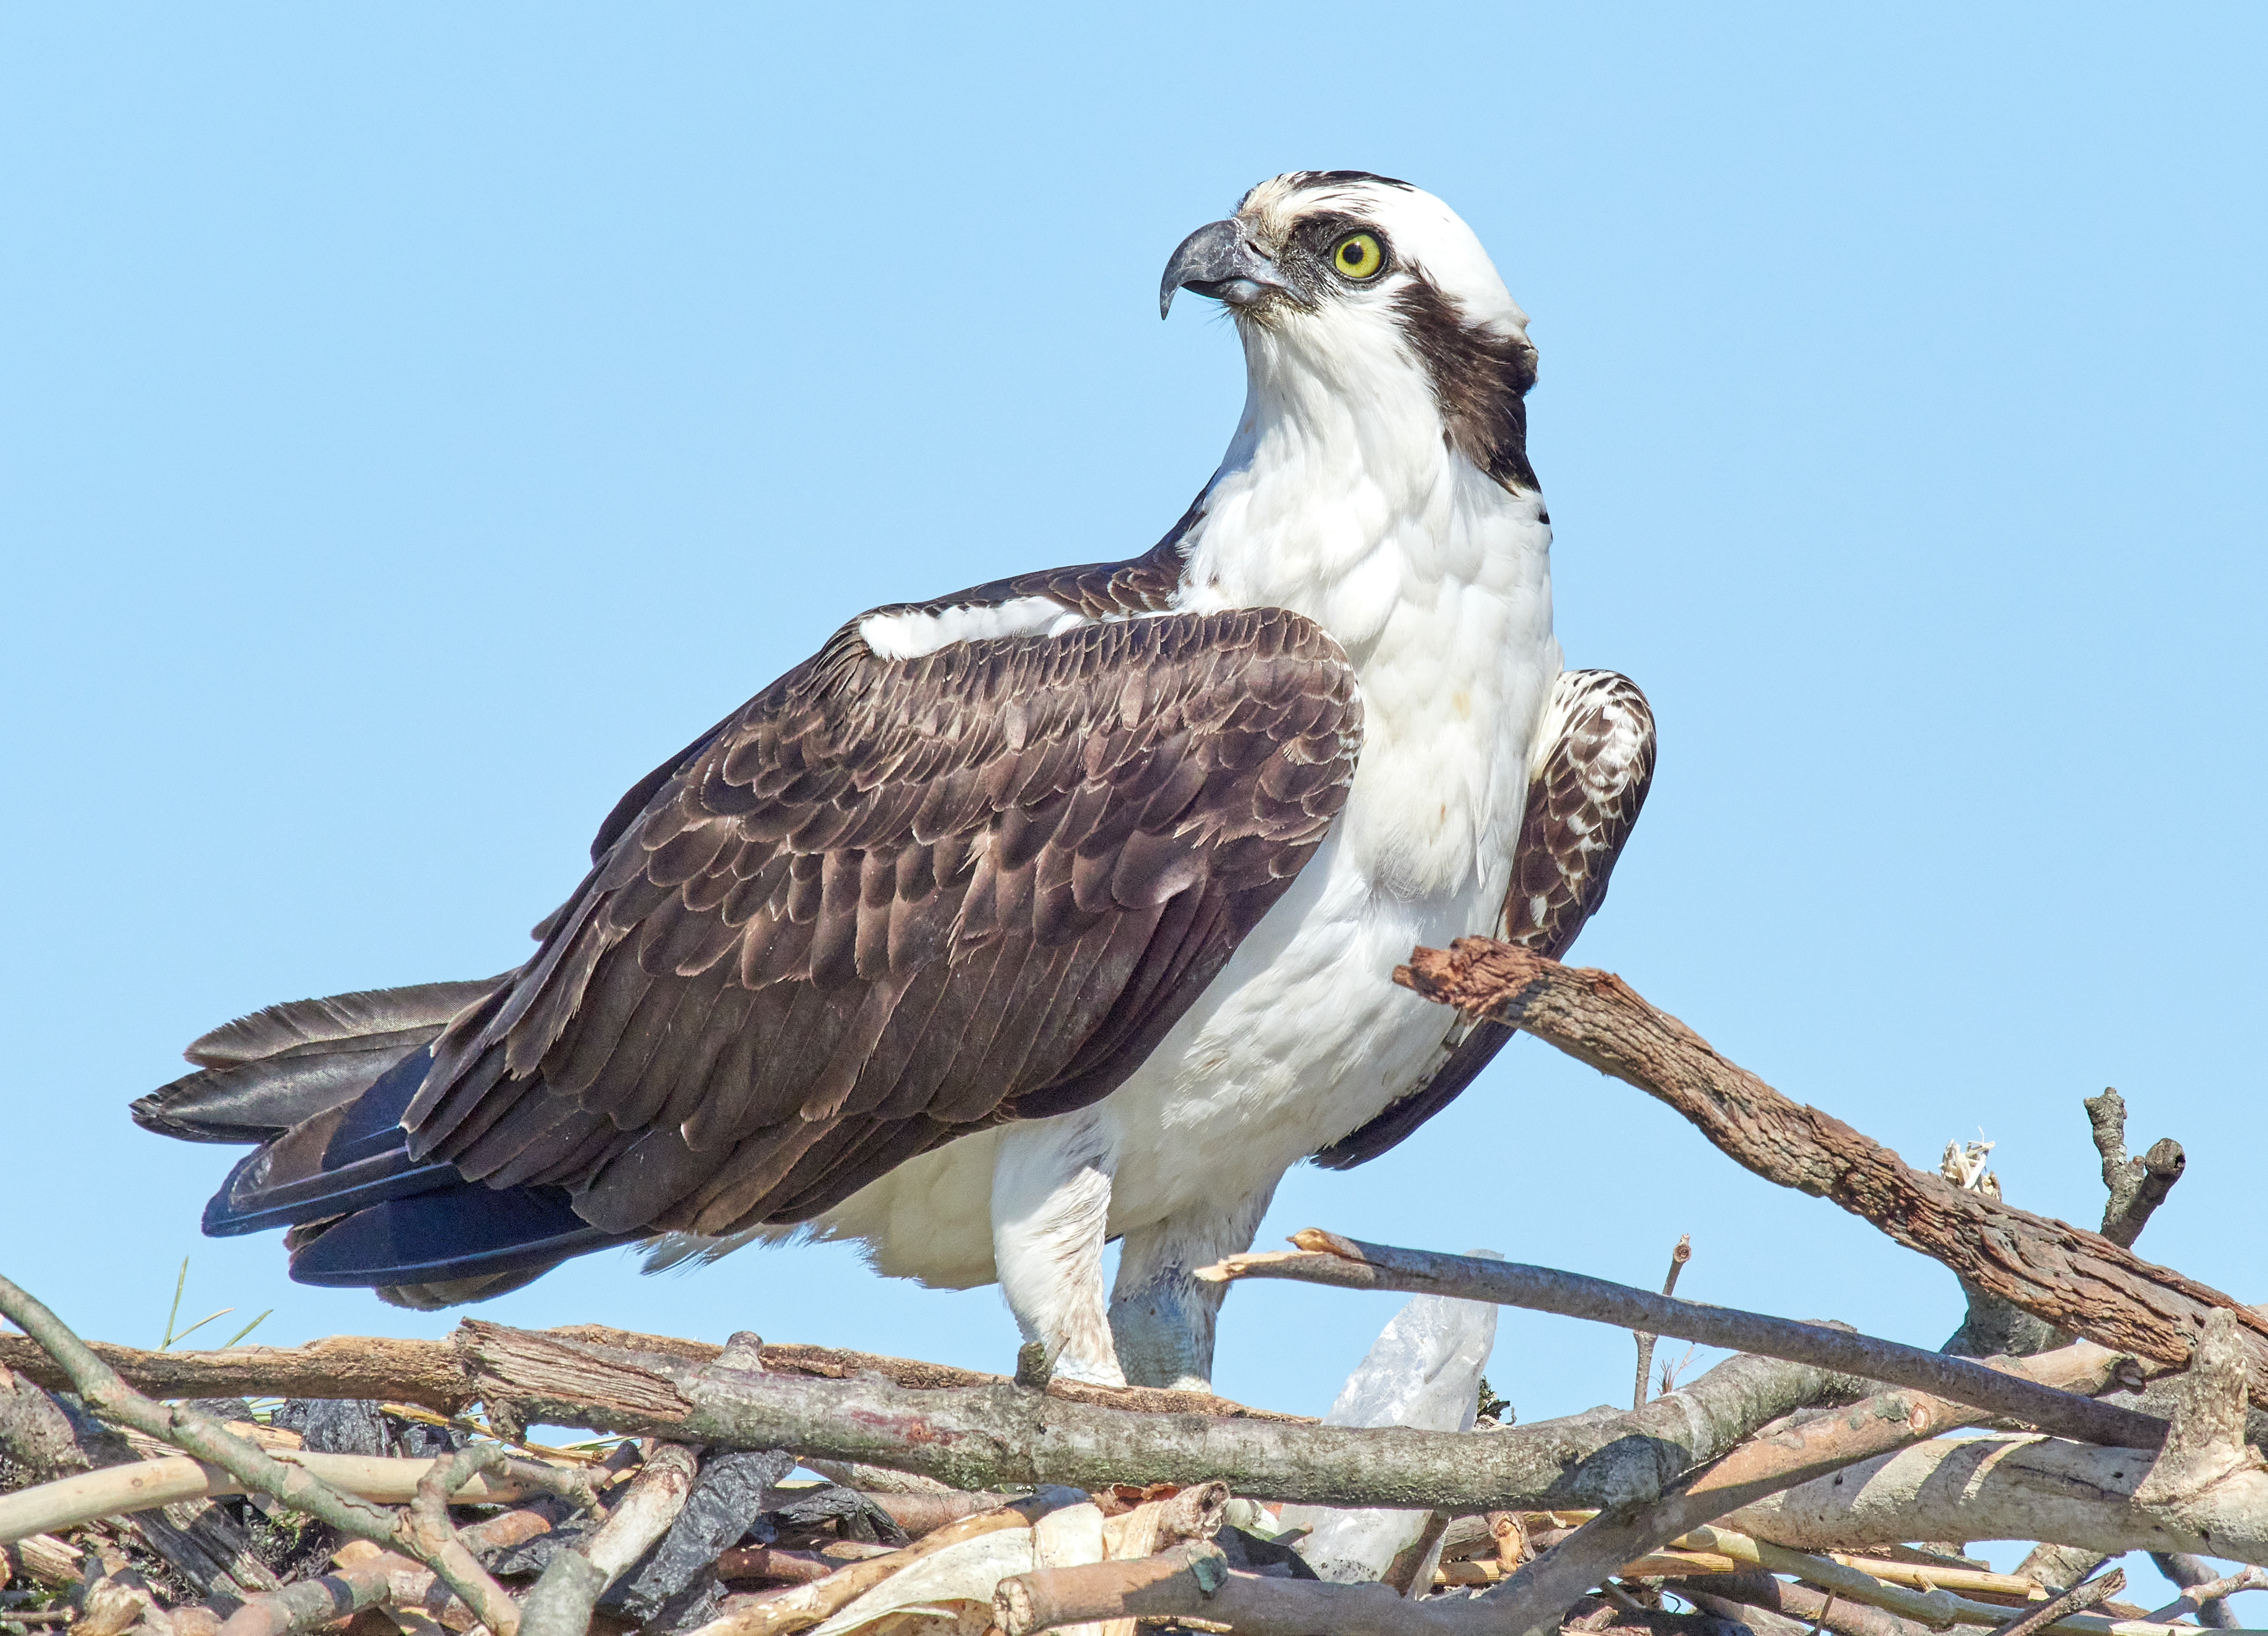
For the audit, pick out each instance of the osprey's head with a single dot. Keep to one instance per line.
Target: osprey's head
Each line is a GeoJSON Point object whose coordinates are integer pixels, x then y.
{"type": "Point", "coordinates": [1356, 281]}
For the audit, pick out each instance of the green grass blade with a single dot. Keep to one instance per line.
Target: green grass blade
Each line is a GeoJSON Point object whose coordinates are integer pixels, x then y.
{"type": "Point", "coordinates": [174, 1310]}
{"type": "Point", "coordinates": [202, 1322]}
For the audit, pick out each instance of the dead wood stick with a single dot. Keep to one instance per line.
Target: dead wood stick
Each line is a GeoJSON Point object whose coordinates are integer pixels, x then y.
{"type": "Point", "coordinates": [1729, 1596]}
{"type": "Point", "coordinates": [1326, 1257]}
{"type": "Point", "coordinates": [2203, 1588]}
{"type": "Point", "coordinates": [314, 1602]}
{"type": "Point", "coordinates": [2137, 1186]}
{"type": "Point", "coordinates": [198, 1434]}
{"type": "Point", "coordinates": [561, 1602]}
{"type": "Point", "coordinates": [439, 1375]}
{"type": "Point", "coordinates": [2202, 1491]}
{"type": "Point", "coordinates": [918, 1514]}
{"type": "Point", "coordinates": [2078, 1281]}
{"type": "Point", "coordinates": [1780, 1457]}
{"type": "Point", "coordinates": [428, 1522]}
{"type": "Point", "coordinates": [1936, 1609]}
{"type": "Point", "coordinates": [988, 1436]}
{"type": "Point", "coordinates": [42, 1557]}
{"type": "Point", "coordinates": [1678, 1257]}
{"type": "Point", "coordinates": [792, 1567]}
{"type": "Point", "coordinates": [118, 1490]}
{"type": "Point", "coordinates": [1192, 1580]}
{"type": "Point", "coordinates": [806, 1605]}
{"type": "Point", "coordinates": [2077, 1599]}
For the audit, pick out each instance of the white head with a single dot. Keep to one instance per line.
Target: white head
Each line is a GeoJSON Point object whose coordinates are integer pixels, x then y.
{"type": "Point", "coordinates": [1362, 283]}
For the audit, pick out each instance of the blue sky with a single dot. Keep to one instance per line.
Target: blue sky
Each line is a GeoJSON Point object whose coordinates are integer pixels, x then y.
{"type": "Point", "coordinates": [418, 421]}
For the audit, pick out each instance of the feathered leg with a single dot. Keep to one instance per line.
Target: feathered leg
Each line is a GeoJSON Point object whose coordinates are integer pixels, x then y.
{"type": "Point", "coordinates": [1050, 1201]}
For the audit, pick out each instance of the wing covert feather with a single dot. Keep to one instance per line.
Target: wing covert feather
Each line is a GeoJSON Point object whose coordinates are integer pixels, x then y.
{"type": "Point", "coordinates": [887, 902]}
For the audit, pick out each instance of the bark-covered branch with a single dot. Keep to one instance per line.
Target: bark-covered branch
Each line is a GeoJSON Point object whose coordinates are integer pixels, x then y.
{"type": "Point", "coordinates": [439, 1374]}
{"type": "Point", "coordinates": [2137, 1186]}
{"type": "Point", "coordinates": [1782, 1457]}
{"type": "Point", "coordinates": [1328, 1259]}
{"type": "Point", "coordinates": [2079, 1280]}
{"type": "Point", "coordinates": [986, 1436]}
{"type": "Point", "coordinates": [2204, 1493]}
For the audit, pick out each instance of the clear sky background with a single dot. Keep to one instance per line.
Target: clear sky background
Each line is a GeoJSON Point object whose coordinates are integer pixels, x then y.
{"type": "Point", "coordinates": [417, 421]}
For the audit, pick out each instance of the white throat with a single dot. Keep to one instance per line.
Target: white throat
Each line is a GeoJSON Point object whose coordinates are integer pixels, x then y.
{"type": "Point", "coordinates": [1341, 498]}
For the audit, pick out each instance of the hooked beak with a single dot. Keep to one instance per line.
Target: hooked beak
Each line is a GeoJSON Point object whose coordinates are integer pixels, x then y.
{"type": "Point", "coordinates": [1216, 260]}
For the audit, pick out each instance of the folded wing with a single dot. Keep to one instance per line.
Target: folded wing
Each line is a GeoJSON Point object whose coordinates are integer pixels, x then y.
{"type": "Point", "coordinates": [1592, 774]}
{"type": "Point", "coordinates": [885, 903]}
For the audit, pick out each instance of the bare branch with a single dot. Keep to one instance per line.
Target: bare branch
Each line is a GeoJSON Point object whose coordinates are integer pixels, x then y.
{"type": "Point", "coordinates": [2194, 1575]}
{"type": "Point", "coordinates": [2077, 1599]}
{"type": "Point", "coordinates": [990, 1437]}
{"type": "Point", "coordinates": [1783, 1457]}
{"type": "Point", "coordinates": [1330, 1259]}
{"type": "Point", "coordinates": [2204, 1492]}
{"type": "Point", "coordinates": [189, 1428]}
{"type": "Point", "coordinates": [560, 1602]}
{"type": "Point", "coordinates": [1734, 1596]}
{"type": "Point", "coordinates": [1936, 1609]}
{"type": "Point", "coordinates": [428, 1524]}
{"type": "Point", "coordinates": [1678, 1257]}
{"type": "Point", "coordinates": [2216, 1589]}
{"type": "Point", "coordinates": [2076, 1279]}
{"type": "Point", "coordinates": [439, 1375]}
{"type": "Point", "coordinates": [118, 1490]}
{"type": "Point", "coordinates": [2137, 1187]}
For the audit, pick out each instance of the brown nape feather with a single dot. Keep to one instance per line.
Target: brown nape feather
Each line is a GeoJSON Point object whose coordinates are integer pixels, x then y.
{"type": "Point", "coordinates": [1480, 382]}
{"type": "Point", "coordinates": [887, 902]}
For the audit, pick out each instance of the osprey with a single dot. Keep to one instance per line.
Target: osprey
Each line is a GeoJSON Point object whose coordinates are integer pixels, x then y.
{"type": "Point", "coordinates": [1051, 912]}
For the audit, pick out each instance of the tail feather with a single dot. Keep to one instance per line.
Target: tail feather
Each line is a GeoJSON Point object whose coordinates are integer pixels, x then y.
{"type": "Point", "coordinates": [463, 1233]}
{"type": "Point", "coordinates": [342, 1160]}
{"type": "Point", "coordinates": [322, 1086]}
{"type": "Point", "coordinates": [264, 1074]}
{"type": "Point", "coordinates": [360, 1018]}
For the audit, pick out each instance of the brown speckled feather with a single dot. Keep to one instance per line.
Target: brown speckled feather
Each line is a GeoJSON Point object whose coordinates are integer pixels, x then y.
{"type": "Point", "coordinates": [1590, 780]}
{"type": "Point", "coordinates": [887, 902]}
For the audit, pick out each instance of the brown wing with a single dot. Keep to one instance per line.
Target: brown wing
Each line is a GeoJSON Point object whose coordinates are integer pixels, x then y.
{"type": "Point", "coordinates": [1596, 764]}
{"type": "Point", "coordinates": [890, 902]}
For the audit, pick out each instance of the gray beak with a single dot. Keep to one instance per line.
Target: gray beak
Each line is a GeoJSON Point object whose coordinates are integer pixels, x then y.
{"type": "Point", "coordinates": [1216, 260]}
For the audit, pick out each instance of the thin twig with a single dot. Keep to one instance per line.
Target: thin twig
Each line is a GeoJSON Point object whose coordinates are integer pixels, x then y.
{"type": "Point", "coordinates": [428, 1524]}
{"type": "Point", "coordinates": [2077, 1599]}
{"type": "Point", "coordinates": [2219, 1589]}
{"type": "Point", "coordinates": [1678, 1257]}
{"type": "Point", "coordinates": [200, 1435]}
{"type": "Point", "coordinates": [1326, 1257]}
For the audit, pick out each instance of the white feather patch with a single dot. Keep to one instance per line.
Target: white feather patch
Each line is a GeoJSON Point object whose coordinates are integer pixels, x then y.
{"type": "Point", "coordinates": [909, 634]}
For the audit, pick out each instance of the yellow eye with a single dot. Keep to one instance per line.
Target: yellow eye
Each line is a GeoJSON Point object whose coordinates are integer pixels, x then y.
{"type": "Point", "coordinates": [1358, 255]}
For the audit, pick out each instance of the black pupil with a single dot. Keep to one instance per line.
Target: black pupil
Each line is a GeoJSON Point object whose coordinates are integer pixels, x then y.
{"type": "Point", "coordinates": [1351, 253]}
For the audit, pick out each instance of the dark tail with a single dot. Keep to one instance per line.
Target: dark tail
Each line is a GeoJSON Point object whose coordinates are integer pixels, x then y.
{"type": "Point", "coordinates": [321, 1085]}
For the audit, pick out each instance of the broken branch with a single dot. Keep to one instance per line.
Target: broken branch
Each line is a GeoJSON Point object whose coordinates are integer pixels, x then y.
{"type": "Point", "coordinates": [2078, 1281]}
{"type": "Point", "coordinates": [2137, 1186]}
